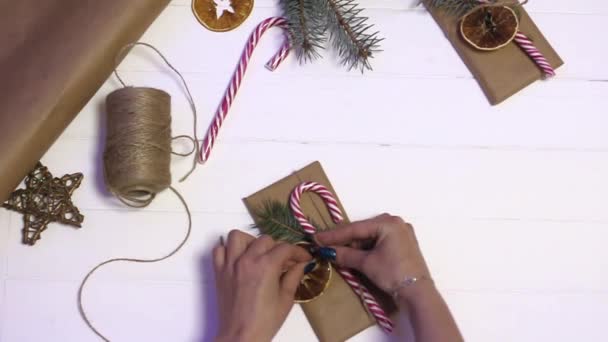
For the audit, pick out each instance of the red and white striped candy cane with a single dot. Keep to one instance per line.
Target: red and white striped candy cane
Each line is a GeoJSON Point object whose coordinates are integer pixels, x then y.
{"type": "Point", "coordinates": [529, 48]}
{"type": "Point", "coordinates": [237, 78]}
{"type": "Point", "coordinates": [324, 193]}
{"type": "Point", "coordinates": [336, 214]}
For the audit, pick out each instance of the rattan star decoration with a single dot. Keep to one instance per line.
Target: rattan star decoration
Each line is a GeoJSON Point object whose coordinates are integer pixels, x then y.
{"type": "Point", "coordinates": [45, 199]}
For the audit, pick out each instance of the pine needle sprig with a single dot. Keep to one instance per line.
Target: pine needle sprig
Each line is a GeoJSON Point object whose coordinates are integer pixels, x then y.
{"type": "Point", "coordinates": [307, 27]}
{"type": "Point", "coordinates": [454, 7]}
{"type": "Point", "coordinates": [277, 220]}
{"type": "Point", "coordinates": [350, 34]}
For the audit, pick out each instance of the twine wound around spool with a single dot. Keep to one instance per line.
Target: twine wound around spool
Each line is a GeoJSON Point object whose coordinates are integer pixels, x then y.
{"type": "Point", "coordinates": [137, 156]}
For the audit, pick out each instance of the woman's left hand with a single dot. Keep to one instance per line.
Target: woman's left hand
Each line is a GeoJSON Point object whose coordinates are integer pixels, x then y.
{"type": "Point", "coordinates": [256, 282]}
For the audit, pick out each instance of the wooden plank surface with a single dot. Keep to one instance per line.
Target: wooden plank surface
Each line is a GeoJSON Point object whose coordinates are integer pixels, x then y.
{"type": "Point", "coordinates": [508, 201]}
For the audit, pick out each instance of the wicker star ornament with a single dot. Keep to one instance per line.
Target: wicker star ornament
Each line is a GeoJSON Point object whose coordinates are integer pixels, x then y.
{"type": "Point", "coordinates": [45, 199]}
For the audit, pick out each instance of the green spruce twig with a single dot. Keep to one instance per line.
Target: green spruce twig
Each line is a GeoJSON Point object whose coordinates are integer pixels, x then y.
{"type": "Point", "coordinates": [306, 26]}
{"type": "Point", "coordinates": [350, 33]}
{"type": "Point", "coordinates": [312, 21]}
{"type": "Point", "coordinates": [276, 219]}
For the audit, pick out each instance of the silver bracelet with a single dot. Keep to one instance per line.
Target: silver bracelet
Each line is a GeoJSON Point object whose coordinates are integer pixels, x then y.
{"type": "Point", "coordinates": [407, 282]}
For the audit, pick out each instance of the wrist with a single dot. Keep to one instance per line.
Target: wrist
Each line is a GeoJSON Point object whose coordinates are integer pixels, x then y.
{"type": "Point", "coordinates": [235, 335]}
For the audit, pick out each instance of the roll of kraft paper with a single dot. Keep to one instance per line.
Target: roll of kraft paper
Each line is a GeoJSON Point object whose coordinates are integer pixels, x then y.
{"type": "Point", "coordinates": [54, 56]}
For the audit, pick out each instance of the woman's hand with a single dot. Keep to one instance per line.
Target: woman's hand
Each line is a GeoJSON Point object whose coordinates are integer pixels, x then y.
{"type": "Point", "coordinates": [256, 282]}
{"type": "Point", "coordinates": [393, 256]}
{"type": "Point", "coordinates": [384, 248]}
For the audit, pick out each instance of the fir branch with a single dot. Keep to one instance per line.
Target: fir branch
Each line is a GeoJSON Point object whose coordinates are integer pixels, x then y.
{"type": "Point", "coordinates": [349, 33]}
{"type": "Point", "coordinates": [277, 220]}
{"type": "Point", "coordinates": [307, 27]}
{"type": "Point", "coordinates": [454, 7]}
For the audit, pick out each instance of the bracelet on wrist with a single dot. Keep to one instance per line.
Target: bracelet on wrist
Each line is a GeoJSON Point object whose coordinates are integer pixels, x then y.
{"type": "Point", "coordinates": [408, 281]}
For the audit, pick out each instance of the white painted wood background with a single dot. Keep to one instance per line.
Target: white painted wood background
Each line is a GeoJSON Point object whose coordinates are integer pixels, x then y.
{"type": "Point", "coordinates": [509, 202]}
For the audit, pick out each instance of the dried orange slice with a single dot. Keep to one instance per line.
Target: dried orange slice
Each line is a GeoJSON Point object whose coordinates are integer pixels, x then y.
{"type": "Point", "coordinates": [222, 15]}
{"type": "Point", "coordinates": [315, 282]}
{"type": "Point", "coordinates": [489, 27]}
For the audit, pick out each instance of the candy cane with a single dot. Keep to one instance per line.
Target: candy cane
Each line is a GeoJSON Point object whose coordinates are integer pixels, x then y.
{"type": "Point", "coordinates": [326, 195]}
{"type": "Point", "coordinates": [336, 214]}
{"type": "Point", "coordinates": [528, 46]}
{"type": "Point", "coordinates": [237, 78]}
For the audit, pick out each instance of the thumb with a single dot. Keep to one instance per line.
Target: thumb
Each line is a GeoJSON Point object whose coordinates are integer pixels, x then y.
{"type": "Point", "coordinates": [350, 257]}
{"type": "Point", "coordinates": [291, 280]}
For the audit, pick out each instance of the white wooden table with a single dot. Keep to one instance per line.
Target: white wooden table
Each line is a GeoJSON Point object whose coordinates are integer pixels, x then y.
{"type": "Point", "coordinates": [509, 202]}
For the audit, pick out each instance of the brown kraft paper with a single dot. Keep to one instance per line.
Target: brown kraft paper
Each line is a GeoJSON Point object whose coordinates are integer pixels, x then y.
{"type": "Point", "coordinates": [54, 56]}
{"type": "Point", "coordinates": [338, 314]}
{"type": "Point", "coordinates": [503, 72]}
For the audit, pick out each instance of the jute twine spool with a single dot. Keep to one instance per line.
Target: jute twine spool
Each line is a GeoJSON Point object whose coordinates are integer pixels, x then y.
{"type": "Point", "coordinates": [137, 155]}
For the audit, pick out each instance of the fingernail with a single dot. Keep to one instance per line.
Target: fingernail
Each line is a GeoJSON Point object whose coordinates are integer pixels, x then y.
{"type": "Point", "coordinates": [310, 266]}
{"type": "Point", "coordinates": [327, 253]}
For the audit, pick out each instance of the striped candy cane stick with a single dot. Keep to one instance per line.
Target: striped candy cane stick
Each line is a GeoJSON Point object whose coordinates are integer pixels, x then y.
{"type": "Point", "coordinates": [336, 214]}
{"type": "Point", "coordinates": [237, 78]}
{"type": "Point", "coordinates": [528, 46]}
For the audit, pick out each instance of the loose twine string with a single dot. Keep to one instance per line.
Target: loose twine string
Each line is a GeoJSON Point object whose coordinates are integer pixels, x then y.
{"type": "Point", "coordinates": [138, 155]}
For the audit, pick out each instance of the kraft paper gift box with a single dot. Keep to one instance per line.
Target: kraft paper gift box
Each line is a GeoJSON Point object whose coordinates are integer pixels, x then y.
{"type": "Point", "coordinates": [338, 313]}
{"type": "Point", "coordinates": [503, 72]}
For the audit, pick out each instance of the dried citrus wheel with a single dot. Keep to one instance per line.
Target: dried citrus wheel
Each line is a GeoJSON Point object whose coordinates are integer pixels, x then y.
{"type": "Point", "coordinates": [314, 283]}
{"type": "Point", "coordinates": [221, 15]}
{"type": "Point", "coordinates": [489, 27]}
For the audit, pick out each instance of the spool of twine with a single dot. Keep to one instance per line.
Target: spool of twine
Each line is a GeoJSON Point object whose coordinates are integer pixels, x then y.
{"type": "Point", "coordinates": [137, 155]}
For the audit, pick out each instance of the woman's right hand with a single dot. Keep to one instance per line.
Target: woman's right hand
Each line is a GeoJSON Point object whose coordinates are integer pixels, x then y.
{"type": "Point", "coordinates": [384, 248]}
